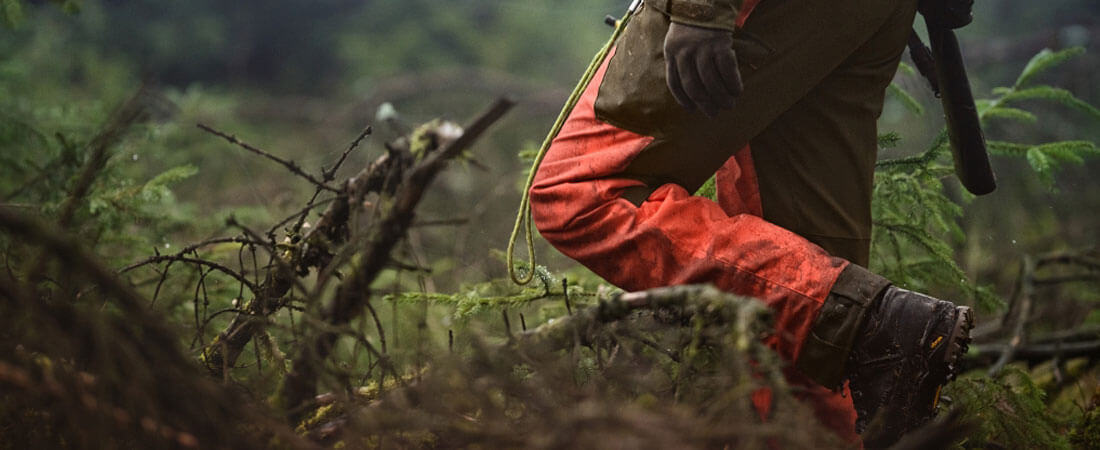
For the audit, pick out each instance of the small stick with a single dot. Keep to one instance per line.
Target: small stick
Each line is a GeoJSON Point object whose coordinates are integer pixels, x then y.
{"type": "Point", "coordinates": [507, 323]}
{"type": "Point", "coordinates": [189, 249]}
{"type": "Point", "coordinates": [201, 262]}
{"type": "Point", "coordinates": [330, 174]}
{"type": "Point", "coordinates": [290, 165]}
{"type": "Point", "coordinates": [565, 293]}
{"type": "Point", "coordinates": [523, 322]}
{"type": "Point", "coordinates": [304, 212]}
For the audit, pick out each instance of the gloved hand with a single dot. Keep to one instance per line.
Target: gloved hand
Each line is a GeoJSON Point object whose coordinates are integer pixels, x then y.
{"type": "Point", "coordinates": [952, 14]}
{"type": "Point", "coordinates": [702, 68]}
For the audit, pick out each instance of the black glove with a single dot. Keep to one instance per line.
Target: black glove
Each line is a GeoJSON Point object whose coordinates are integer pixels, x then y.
{"type": "Point", "coordinates": [702, 68]}
{"type": "Point", "coordinates": [951, 14]}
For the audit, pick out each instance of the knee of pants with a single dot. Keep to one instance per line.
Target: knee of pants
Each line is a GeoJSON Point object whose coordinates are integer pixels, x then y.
{"type": "Point", "coordinates": [578, 216]}
{"type": "Point", "coordinates": [549, 212]}
{"type": "Point", "coordinates": [556, 209]}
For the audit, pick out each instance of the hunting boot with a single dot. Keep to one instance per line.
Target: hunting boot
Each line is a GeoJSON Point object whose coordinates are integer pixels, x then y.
{"type": "Point", "coordinates": [906, 350]}
{"type": "Point", "coordinates": [896, 349]}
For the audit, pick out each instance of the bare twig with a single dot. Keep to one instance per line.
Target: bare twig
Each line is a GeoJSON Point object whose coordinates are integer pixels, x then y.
{"type": "Point", "coordinates": [300, 214]}
{"type": "Point", "coordinates": [1055, 280]}
{"type": "Point", "coordinates": [565, 295]}
{"type": "Point", "coordinates": [1079, 335]}
{"type": "Point", "coordinates": [1028, 280]}
{"type": "Point", "coordinates": [1024, 292]}
{"type": "Point", "coordinates": [507, 323]}
{"type": "Point", "coordinates": [1032, 353]}
{"type": "Point", "coordinates": [1088, 259]}
{"type": "Point", "coordinates": [203, 262]}
{"type": "Point", "coordinates": [192, 248]}
{"type": "Point", "coordinates": [290, 165]}
{"type": "Point", "coordinates": [330, 174]}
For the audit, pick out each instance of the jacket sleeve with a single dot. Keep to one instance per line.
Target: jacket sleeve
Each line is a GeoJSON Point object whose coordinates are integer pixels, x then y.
{"type": "Point", "coordinates": [720, 14]}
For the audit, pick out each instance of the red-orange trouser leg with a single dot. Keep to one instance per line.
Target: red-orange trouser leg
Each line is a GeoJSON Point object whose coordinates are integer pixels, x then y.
{"type": "Point", "coordinates": [676, 238]}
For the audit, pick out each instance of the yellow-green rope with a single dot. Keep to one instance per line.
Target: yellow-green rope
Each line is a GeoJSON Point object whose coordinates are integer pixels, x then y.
{"type": "Point", "coordinates": [523, 217]}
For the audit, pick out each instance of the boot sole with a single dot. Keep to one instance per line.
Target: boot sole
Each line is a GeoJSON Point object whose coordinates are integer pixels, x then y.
{"type": "Point", "coordinates": [959, 344]}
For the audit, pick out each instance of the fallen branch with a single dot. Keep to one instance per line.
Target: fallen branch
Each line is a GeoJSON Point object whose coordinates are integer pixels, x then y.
{"type": "Point", "coordinates": [316, 249]}
{"type": "Point", "coordinates": [1022, 303]}
{"type": "Point", "coordinates": [352, 297]}
{"type": "Point", "coordinates": [748, 317]}
{"type": "Point", "coordinates": [985, 355]}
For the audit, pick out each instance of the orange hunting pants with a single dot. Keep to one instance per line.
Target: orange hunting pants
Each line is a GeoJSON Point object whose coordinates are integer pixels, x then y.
{"type": "Point", "coordinates": [820, 124]}
{"type": "Point", "coordinates": [676, 238]}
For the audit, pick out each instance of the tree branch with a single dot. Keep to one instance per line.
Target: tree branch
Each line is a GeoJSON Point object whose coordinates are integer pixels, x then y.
{"type": "Point", "coordinates": [290, 165]}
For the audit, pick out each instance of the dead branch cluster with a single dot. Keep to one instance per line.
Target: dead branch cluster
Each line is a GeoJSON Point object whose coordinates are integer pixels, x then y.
{"type": "Point", "coordinates": [69, 313]}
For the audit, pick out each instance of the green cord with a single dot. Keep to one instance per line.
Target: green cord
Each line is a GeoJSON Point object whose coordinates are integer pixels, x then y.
{"type": "Point", "coordinates": [523, 217]}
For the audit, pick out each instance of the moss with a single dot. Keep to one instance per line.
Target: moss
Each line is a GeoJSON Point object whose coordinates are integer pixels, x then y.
{"type": "Point", "coordinates": [319, 416]}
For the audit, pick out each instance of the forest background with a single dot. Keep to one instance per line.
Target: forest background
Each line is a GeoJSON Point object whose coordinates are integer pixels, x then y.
{"type": "Point", "coordinates": [302, 79]}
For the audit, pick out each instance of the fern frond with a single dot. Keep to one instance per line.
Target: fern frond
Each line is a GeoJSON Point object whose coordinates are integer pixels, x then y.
{"type": "Point", "coordinates": [173, 175]}
{"type": "Point", "coordinates": [1070, 151]}
{"type": "Point", "coordinates": [889, 140]}
{"type": "Point", "coordinates": [932, 246]}
{"type": "Point", "coordinates": [1044, 61]}
{"type": "Point", "coordinates": [1042, 164]}
{"type": "Point", "coordinates": [940, 146]}
{"type": "Point", "coordinates": [1007, 148]}
{"type": "Point", "coordinates": [906, 164]}
{"type": "Point", "coordinates": [906, 69]}
{"type": "Point", "coordinates": [908, 101]}
{"type": "Point", "coordinates": [1054, 95]}
{"type": "Point", "coordinates": [1012, 114]}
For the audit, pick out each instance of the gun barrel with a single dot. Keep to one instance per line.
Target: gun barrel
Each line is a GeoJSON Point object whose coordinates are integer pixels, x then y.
{"type": "Point", "coordinates": [963, 126]}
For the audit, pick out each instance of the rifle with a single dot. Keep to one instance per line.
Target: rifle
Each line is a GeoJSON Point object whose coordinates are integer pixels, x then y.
{"type": "Point", "coordinates": [943, 66]}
